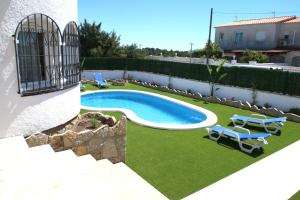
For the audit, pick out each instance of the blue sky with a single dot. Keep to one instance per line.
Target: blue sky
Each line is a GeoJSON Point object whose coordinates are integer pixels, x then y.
{"type": "Point", "coordinates": [173, 24]}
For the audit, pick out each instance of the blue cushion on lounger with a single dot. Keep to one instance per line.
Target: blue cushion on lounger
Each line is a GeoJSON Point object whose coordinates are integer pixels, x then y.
{"type": "Point", "coordinates": [242, 136]}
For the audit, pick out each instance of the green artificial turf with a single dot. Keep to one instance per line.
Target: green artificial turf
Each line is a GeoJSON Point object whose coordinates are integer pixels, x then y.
{"type": "Point", "coordinates": [295, 196]}
{"type": "Point", "coordinates": [179, 163]}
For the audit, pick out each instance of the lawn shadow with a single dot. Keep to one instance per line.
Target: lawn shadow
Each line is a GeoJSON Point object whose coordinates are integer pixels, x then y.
{"type": "Point", "coordinates": [256, 128]}
{"type": "Point", "coordinates": [233, 145]}
{"type": "Point", "coordinates": [196, 100]}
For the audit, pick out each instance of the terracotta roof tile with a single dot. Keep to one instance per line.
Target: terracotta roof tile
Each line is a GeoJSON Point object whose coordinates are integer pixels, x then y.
{"type": "Point", "coordinates": [297, 20]}
{"type": "Point", "coordinates": [271, 20]}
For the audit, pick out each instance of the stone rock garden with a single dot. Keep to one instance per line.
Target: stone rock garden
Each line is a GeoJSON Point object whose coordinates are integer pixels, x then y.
{"type": "Point", "coordinates": [93, 133]}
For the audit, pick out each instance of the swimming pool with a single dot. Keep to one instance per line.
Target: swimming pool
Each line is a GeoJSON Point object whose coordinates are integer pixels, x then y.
{"type": "Point", "coordinates": [149, 109]}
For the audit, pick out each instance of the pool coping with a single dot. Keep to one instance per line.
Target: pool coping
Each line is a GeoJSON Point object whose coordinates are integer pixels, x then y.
{"type": "Point", "coordinates": [210, 121]}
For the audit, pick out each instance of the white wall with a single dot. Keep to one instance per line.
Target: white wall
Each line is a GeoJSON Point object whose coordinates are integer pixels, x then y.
{"type": "Point", "coordinates": [26, 115]}
{"type": "Point", "coordinates": [289, 56]}
{"type": "Point", "coordinates": [282, 102]}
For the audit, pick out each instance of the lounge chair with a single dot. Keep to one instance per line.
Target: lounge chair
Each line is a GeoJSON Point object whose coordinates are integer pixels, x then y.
{"type": "Point", "coordinates": [271, 125]}
{"type": "Point", "coordinates": [241, 135]}
{"type": "Point", "coordinates": [82, 87]}
{"type": "Point", "coordinates": [99, 81]}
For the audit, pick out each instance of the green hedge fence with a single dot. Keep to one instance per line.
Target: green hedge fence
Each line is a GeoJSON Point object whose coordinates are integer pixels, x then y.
{"type": "Point", "coordinates": [264, 79]}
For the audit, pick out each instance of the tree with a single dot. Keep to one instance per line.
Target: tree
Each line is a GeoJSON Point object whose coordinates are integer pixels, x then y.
{"type": "Point", "coordinates": [215, 76]}
{"type": "Point", "coordinates": [96, 42]}
{"type": "Point", "coordinates": [198, 53]}
{"type": "Point", "coordinates": [213, 50]}
{"type": "Point", "coordinates": [132, 51]}
{"type": "Point", "coordinates": [250, 55]}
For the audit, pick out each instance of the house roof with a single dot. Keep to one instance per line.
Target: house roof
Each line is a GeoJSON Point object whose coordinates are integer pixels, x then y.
{"type": "Point", "coordinates": [265, 51]}
{"type": "Point", "coordinates": [271, 20]}
{"type": "Point", "coordinates": [296, 20]}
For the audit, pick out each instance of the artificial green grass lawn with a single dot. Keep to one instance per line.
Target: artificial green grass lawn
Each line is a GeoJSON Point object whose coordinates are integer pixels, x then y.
{"type": "Point", "coordinates": [295, 196]}
{"type": "Point", "coordinates": [179, 163]}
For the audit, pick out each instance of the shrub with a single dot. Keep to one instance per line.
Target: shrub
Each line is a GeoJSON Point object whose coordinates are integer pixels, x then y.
{"type": "Point", "coordinates": [214, 50]}
{"type": "Point", "coordinates": [267, 105]}
{"type": "Point", "coordinates": [295, 111]}
{"type": "Point", "coordinates": [250, 55]}
{"type": "Point", "coordinates": [279, 81]}
{"type": "Point", "coordinates": [94, 122]}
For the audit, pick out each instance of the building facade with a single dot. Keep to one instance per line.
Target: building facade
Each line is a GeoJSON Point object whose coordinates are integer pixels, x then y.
{"type": "Point", "coordinates": [279, 37]}
{"type": "Point", "coordinates": [39, 65]}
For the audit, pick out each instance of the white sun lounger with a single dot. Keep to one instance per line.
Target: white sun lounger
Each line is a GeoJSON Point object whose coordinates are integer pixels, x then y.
{"type": "Point", "coordinates": [258, 140]}
{"type": "Point", "coordinates": [271, 125]}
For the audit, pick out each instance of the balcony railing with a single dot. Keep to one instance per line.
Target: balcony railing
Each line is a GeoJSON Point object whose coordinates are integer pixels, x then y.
{"type": "Point", "coordinates": [285, 42]}
{"type": "Point", "coordinates": [258, 45]}
{"type": "Point", "coordinates": [246, 44]}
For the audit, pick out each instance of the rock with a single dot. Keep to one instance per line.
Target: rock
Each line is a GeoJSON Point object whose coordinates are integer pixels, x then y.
{"type": "Point", "coordinates": [56, 142]}
{"type": "Point", "coordinates": [254, 108]}
{"type": "Point", "coordinates": [121, 142]}
{"type": "Point", "coordinates": [212, 99]}
{"type": "Point", "coordinates": [80, 150]}
{"type": "Point", "coordinates": [218, 100]}
{"type": "Point", "coordinates": [95, 144]}
{"type": "Point", "coordinates": [70, 138]}
{"type": "Point", "coordinates": [262, 111]}
{"type": "Point", "coordinates": [247, 105]}
{"type": "Point", "coordinates": [37, 139]}
{"type": "Point", "coordinates": [292, 117]}
{"type": "Point", "coordinates": [240, 105]}
{"type": "Point", "coordinates": [84, 136]}
{"type": "Point", "coordinates": [107, 141]}
{"type": "Point", "coordinates": [109, 149]}
{"type": "Point", "coordinates": [236, 104]}
{"type": "Point", "coordinates": [273, 112]}
{"type": "Point", "coordinates": [110, 121]}
{"type": "Point", "coordinates": [119, 82]}
{"type": "Point", "coordinates": [122, 126]}
{"type": "Point", "coordinates": [91, 115]}
{"type": "Point", "coordinates": [102, 131]}
{"type": "Point", "coordinates": [111, 131]}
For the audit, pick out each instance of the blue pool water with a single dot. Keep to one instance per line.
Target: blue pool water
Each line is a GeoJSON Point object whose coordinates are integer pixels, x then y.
{"type": "Point", "coordinates": [145, 106]}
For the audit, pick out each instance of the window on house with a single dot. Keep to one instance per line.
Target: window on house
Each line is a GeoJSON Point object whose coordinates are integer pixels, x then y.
{"type": "Point", "coordinates": [238, 37]}
{"type": "Point", "coordinates": [286, 36]}
{"type": "Point", "coordinates": [71, 68]}
{"type": "Point", "coordinates": [39, 52]}
{"type": "Point", "coordinates": [260, 36]}
{"type": "Point", "coordinates": [221, 37]}
{"type": "Point", "coordinates": [31, 54]}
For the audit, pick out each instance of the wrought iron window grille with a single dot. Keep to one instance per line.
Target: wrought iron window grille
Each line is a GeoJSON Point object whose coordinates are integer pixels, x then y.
{"type": "Point", "coordinates": [46, 60]}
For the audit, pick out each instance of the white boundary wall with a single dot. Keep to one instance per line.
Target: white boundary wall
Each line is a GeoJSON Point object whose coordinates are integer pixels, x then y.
{"type": "Point", "coordinates": [27, 115]}
{"type": "Point", "coordinates": [282, 102]}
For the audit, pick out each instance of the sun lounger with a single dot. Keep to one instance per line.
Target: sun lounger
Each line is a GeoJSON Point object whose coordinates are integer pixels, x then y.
{"type": "Point", "coordinates": [271, 125]}
{"type": "Point", "coordinates": [82, 87]}
{"type": "Point", "coordinates": [99, 81]}
{"type": "Point", "coordinates": [247, 141]}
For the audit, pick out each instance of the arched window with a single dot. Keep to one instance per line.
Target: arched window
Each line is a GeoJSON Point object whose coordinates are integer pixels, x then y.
{"type": "Point", "coordinates": [40, 56]}
{"type": "Point", "coordinates": [71, 55]}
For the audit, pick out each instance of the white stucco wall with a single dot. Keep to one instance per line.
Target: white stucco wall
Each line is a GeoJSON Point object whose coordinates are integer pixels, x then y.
{"type": "Point", "coordinates": [289, 56]}
{"type": "Point", "coordinates": [26, 115]}
{"type": "Point", "coordinates": [282, 102]}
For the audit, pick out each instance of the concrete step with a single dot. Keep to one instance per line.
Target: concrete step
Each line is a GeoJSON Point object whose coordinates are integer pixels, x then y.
{"type": "Point", "coordinates": [40, 173]}
{"type": "Point", "coordinates": [40, 151]}
{"type": "Point", "coordinates": [12, 147]}
{"type": "Point", "coordinates": [9, 143]}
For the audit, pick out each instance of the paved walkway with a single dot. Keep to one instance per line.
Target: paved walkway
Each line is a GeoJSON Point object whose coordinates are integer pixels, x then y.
{"type": "Point", "coordinates": [275, 177]}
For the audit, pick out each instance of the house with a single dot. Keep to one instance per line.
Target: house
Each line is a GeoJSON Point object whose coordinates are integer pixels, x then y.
{"type": "Point", "coordinates": [278, 37]}
{"type": "Point", "coordinates": [39, 65]}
